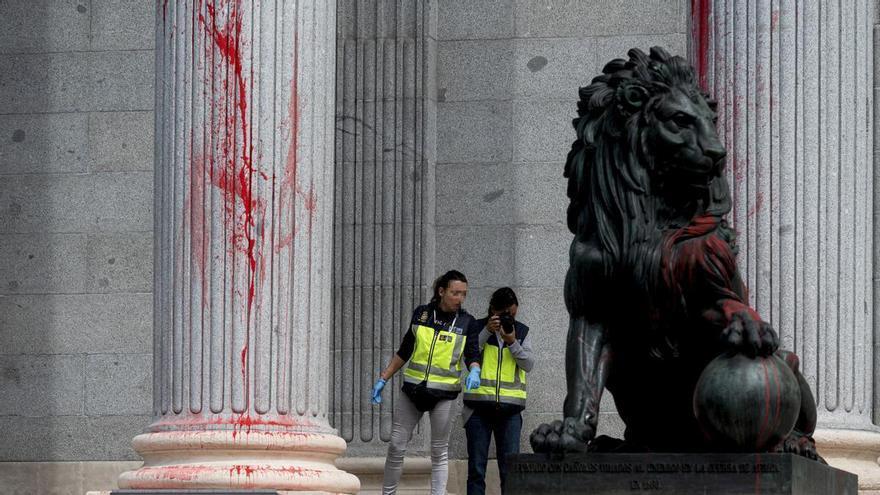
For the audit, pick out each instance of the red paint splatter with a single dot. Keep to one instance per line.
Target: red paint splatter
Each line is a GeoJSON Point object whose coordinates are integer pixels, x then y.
{"type": "Point", "coordinates": [299, 471]}
{"type": "Point", "coordinates": [739, 173]}
{"type": "Point", "coordinates": [235, 176]}
{"type": "Point", "coordinates": [731, 307]}
{"type": "Point", "coordinates": [177, 473]}
{"type": "Point", "coordinates": [244, 367]}
{"type": "Point", "coordinates": [311, 203]}
{"type": "Point", "coordinates": [248, 470]}
{"type": "Point", "coordinates": [228, 43]}
{"type": "Point", "coordinates": [230, 165]}
{"type": "Point", "coordinates": [759, 202]}
{"type": "Point", "coordinates": [198, 422]}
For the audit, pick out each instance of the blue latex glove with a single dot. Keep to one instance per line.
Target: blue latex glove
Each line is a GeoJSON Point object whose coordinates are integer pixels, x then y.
{"type": "Point", "coordinates": [377, 391]}
{"type": "Point", "coordinates": [473, 379]}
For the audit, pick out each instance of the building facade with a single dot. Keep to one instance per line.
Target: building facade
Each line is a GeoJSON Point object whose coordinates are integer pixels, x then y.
{"type": "Point", "coordinates": [450, 127]}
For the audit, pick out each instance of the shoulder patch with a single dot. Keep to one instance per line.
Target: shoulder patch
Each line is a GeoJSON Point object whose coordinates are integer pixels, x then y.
{"type": "Point", "coordinates": [423, 317]}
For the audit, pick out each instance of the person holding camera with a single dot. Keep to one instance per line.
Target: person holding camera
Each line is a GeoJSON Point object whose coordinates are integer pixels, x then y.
{"type": "Point", "coordinates": [495, 406]}
{"type": "Point", "coordinates": [440, 337]}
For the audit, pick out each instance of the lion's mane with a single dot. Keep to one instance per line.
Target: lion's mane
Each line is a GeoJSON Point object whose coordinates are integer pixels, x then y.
{"type": "Point", "coordinates": [614, 182]}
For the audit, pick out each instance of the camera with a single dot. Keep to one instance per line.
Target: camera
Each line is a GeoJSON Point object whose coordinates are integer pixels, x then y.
{"type": "Point", "coordinates": [506, 320]}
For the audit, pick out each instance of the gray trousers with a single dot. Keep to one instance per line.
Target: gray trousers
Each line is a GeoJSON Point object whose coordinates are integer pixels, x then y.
{"type": "Point", "coordinates": [406, 416]}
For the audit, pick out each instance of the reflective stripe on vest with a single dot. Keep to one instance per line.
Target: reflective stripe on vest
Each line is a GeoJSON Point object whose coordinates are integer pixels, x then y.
{"type": "Point", "coordinates": [436, 359]}
{"type": "Point", "coordinates": [501, 380]}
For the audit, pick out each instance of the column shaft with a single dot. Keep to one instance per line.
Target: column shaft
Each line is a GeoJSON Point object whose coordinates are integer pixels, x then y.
{"type": "Point", "coordinates": [384, 215]}
{"type": "Point", "coordinates": [244, 192]}
{"type": "Point", "coordinates": [793, 84]}
{"type": "Point", "coordinates": [793, 81]}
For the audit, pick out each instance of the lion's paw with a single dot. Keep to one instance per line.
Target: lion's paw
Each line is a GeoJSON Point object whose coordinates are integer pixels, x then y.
{"type": "Point", "coordinates": [569, 435]}
{"type": "Point", "coordinates": [750, 335]}
{"type": "Point", "coordinates": [800, 444]}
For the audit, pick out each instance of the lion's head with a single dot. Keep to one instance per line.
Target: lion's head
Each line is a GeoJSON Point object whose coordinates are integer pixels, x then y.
{"type": "Point", "coordinates": [647, 155]}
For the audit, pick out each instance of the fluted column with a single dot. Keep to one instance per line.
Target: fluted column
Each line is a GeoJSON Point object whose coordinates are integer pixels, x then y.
{"type": "Point", "coordinates": [384, 223]}
{"type": "Point", "coordinates": [384, 216]}
{"type": "Point", "coordinates": [794, 85]}
{"type": "Point", "coordinates": [243, 200]}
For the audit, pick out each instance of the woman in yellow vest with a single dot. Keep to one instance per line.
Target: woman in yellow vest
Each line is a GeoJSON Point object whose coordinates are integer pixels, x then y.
{"type": "Point", "coordinates": [495, 407]}
{"type": "Point", "coordinates": [435, 345]}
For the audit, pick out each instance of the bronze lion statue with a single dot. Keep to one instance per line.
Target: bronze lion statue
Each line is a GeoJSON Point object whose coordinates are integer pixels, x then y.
{"type": "Point", "coordinates": [653, 290]}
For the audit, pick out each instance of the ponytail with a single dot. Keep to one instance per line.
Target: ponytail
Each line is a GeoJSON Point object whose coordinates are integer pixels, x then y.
{"type": "Point", "coordinates": [443, 282]}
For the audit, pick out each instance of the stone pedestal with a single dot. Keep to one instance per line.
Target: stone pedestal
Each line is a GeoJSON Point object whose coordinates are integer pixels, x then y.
{"type": "Point", "coordinates": [243, 207]}
{"type": "Point", "coordinates": [794, 84]}
{"type": "Point", "coordinates": [675, 474]}
{"type": "Point", "coordinates": [217, 491]}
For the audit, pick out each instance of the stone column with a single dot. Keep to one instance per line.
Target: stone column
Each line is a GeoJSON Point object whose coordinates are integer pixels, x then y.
{"type": "Point", "coordinates": [384, 216]}
{"type": "Point", "coordinates": [243, 233]}
{"type": "Point", "coordinates": [794, 85]}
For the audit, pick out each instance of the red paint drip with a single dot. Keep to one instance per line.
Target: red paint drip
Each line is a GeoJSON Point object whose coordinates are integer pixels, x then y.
{"type": "Point", "coordinates": [700, 33]}
{"type": "Point", "coordinates": [228, 43]}
{"type": "Point", "coordinates": [234, 172]}
{"type": "Point", "coordinates": [235, 177]}
{"type": "Point", "coordinates": [311, 203]}
{"type": "Point", "coordinates": [289, 179]}
{"type": "Point", "coordinates": [238, 468]}
{"type": "Point", "coordinates": [739, 173]}
{"type": "Point", "coordinates": [765, 418]}
{"type": "Point", "coordinates": [243, 420]}
{"type": "Point", "coordinates": [759, 202]}
{"type": "Point", "coordinates": [776, 382]}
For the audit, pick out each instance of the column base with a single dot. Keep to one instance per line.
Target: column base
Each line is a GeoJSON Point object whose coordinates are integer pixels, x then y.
{"type": "Point", "coordinates": [283, 461]}
{"type": "Point", "coordinates": [854, 451]}
{"type": "Point", "coordinates": [415, 480]}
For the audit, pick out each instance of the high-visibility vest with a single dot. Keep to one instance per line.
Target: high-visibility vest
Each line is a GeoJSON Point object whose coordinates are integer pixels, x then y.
{"type": "Point", "coordinates": [501, 379]}
{"type": "Point", "coordinates": [436, 357]}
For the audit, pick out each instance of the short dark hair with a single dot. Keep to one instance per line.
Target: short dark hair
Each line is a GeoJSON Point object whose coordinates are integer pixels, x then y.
{"type": "Point", "coordinates": [442, 282]}
{"type": "Point", "coordinates": [502, 298]}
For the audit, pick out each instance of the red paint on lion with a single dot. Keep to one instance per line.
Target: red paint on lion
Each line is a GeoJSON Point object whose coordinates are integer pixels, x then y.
{"type": "Point", "coordinates": [764, 429]}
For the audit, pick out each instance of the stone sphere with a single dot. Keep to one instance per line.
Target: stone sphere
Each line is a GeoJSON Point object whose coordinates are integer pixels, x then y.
{"type": "Point", "coordinates": [747, 404]}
